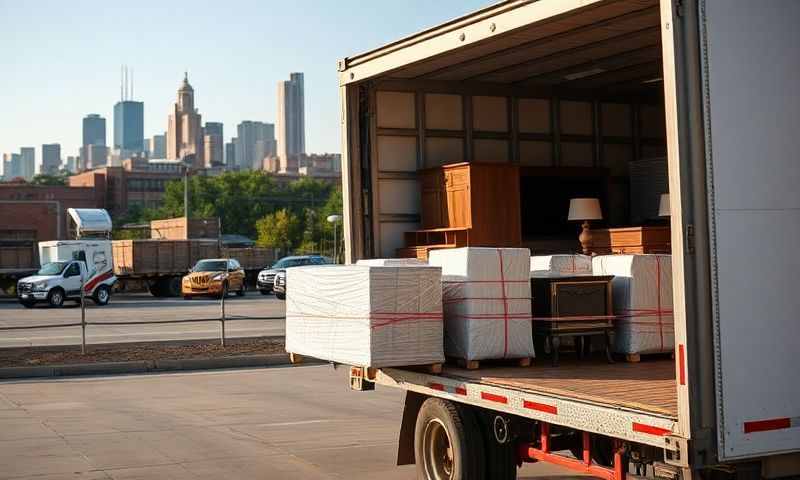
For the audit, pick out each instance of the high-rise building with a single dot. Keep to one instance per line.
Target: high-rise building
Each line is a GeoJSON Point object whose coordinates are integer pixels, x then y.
{"type": "Point", "coordinates": [72, 163]}
{"type": "Point", "coordinates": [184, 130]}
{"type": "Point", "coordinates": [51, 158]}
{"type": "Point", "coordinates": [93, 156]}
{"type": "Point", "coordinates": [12, 163]}
{"type": "Point", "coordinates": [230, 154]}
{"type": "Point", "coordinates": [158, 146]}
{"type": "Point", "coordinates": [213, 128]}
{"type": "Point", "coordinates": [256, 140]}
{"type": "Point", "coordinates": [291, 116]}
{"type": "Point", "coordinates": [213, 154]}
{"type": "Point", "coordinates": [129, 126]}
{"type": "Point", "coordinates": [27, 160]}
{"type": "Point", "coordinates": [94, 130]}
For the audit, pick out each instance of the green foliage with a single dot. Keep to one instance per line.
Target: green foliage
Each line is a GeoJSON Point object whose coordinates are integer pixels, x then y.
{"type": "Point", "coordinates": [281, 229]}
{"type": "Point", "coordinates": [45, 179]}
{"type": "Point", "coordinates": [123, 228]}
{"type": "Point", "coordinates": [290, 216]}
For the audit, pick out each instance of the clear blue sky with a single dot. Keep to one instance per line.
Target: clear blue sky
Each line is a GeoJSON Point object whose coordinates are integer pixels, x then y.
{"type": "Point", "coordinates": [61, 60]}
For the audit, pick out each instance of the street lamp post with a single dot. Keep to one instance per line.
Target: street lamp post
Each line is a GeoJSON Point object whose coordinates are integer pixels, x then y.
{"type": "Point", "coordinates": [334, 219]}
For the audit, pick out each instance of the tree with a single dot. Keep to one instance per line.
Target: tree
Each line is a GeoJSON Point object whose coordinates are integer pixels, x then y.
{"type": "Point", "coordinates": [46, 179]}
{"type": "Point", "coordinates": [281, 229]}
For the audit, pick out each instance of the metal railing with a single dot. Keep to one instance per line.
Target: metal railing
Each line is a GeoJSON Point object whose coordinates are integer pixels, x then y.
{"type": "Point", "coordinates": [222, 319]}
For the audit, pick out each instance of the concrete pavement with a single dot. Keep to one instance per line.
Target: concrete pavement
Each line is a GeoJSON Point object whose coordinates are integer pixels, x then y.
{"type": "Point", "coordinates": [272, 423]}
{"type": "Point", "coordinates": [140, 307]}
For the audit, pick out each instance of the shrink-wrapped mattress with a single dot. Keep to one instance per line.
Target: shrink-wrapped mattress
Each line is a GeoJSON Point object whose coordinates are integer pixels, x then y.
{"type": "Point", "coordinates": [642, 290]}
{"type": "Point", "coordinates": [372, 316]}
{"type": "Point", "coordinates": [487, 302]}
{"type": "Point", "coordinates": [560, 265]}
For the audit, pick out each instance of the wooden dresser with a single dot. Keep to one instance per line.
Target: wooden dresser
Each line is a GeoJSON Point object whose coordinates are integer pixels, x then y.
{"type": "Point", "coordinates": [466, 204]}
{"type": "Point", "coordinates": [631, 240]}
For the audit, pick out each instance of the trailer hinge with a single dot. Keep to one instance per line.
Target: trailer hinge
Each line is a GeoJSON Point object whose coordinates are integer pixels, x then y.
{"type": "Point", "coordinates": [690, 238]}
{"type": "Point", "coordinates": [678, 455]}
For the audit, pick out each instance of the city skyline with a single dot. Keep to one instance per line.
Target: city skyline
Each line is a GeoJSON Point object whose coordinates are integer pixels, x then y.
{"type": "Point", "coordinates": [233, 67]}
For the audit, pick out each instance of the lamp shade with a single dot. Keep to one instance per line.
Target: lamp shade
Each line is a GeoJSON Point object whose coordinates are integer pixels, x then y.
{"type": "Point", "coordinates": [584, 209]}
{"type": "Point", "coordinates": [663, 205]}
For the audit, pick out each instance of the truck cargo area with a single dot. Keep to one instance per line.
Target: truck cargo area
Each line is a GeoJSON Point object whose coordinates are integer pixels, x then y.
{"type": "Point", "coordinates": [647, 387]}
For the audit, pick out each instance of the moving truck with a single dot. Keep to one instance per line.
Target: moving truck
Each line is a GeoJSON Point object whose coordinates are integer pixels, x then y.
{"type": "Point", "coordinates": [577, 93]}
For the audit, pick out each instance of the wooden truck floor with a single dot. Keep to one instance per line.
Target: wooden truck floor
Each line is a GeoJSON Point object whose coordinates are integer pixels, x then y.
{"type": "Point", "coordinates": [648, 386]}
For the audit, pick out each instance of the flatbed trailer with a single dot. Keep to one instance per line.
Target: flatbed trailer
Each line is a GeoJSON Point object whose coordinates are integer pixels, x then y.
{"type": "Point", "coordinates": [572, 91]}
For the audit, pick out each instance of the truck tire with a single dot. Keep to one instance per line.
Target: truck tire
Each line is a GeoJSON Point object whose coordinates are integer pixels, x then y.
{"type": "Point", "coordinates": [172, 286]}
{"type": "Point", "coordinates": [443, 448]}
{"type": "Point", "coordinates": [55, 297]}
{"type": "Point", "coordinates": [102, 295]}
{"type": "Point", "coordinates": [501, 458]}
{"type": "Point", "coordinates": [155, 289]}
{"type": "Point", "coordinates": [280, 296]}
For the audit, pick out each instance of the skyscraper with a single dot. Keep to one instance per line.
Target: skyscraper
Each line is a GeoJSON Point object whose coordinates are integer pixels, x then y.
{"type": "Point", "coordinates": [184, 130]}
{"type": "Point", "coordinates": [256, 140]}
{"type": "Point", "coordinates": [51, 158]}
{"type": "Point", "coordinates": [158, 146]}
{"type": "Point", "coordinates": [11, 166]}
{"type": "Point", "coordinates": [213, 128]}
{"type": "Point", "coordinates": [230, 154]}
{"type": "Point", "coordinates": [94, 130]}
{"type": "Point", "coordinates": [291, 117]}
{"type": "Point", "coordinates": [129, 126]}
{"type": "Point", "coordinates": [27, 162]}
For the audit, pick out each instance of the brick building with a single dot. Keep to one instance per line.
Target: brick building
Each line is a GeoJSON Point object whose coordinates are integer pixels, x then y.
{"type": "Point", "coordinates": [39, 212]}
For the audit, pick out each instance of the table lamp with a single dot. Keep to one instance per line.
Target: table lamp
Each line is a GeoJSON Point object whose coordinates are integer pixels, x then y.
{"type": "Point", "coordinates": [585, 209]}
{"type": "Point", "coordinates": [663, 205]}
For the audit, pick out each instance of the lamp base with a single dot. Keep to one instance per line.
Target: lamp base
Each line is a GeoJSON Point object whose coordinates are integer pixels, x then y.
{"type": "Point", "coordinates": [585, 238]}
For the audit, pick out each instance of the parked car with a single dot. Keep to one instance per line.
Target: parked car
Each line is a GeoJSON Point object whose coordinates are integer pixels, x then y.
{"type": "Point", "coordinates": [214, 277]}
{"type": "Point", "coordinates": [266, 277]}
{"type": "Point", "coordinates": [279, 286]}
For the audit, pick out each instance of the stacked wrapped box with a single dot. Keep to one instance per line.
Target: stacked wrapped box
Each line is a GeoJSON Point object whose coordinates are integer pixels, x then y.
{"type": "Point", "coordinates": [642, 290]}
{"type": "Point", "coordinates": [487, 302]}
{"type": "Point", "coordinates": [371, 316]}
{"type": "Point", "coordinates": [392, 262]}
{"type": "Point", "coordinates": [560, 265]}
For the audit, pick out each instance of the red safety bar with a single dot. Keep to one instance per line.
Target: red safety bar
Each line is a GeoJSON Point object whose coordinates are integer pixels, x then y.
{"type": "Point", "coordinates": [530, 453]}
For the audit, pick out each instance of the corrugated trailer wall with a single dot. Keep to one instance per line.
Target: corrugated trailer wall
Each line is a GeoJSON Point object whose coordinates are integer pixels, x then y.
{"type": "Point", "coordinates": [420, 124]}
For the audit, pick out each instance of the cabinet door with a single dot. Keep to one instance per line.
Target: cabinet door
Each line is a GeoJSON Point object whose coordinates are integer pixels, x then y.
{"type": "Point", "coordinates": [458, 208]}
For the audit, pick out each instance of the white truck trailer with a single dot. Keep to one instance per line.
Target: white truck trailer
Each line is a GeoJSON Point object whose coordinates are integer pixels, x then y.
{"type": "Point", "coordinates": [583, 89]}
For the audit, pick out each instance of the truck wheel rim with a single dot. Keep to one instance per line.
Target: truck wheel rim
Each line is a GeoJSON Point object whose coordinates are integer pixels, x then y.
{"type": "Point", "coordinates": [437, 451]}
{"type": "Point", "coordinates": [56, 297]}
{"type": "Point", "coordinates": [102, 295]}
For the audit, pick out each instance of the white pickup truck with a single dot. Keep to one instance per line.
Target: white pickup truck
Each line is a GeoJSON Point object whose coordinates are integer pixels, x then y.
{"type": "Point", "coordinates": [69, 264]}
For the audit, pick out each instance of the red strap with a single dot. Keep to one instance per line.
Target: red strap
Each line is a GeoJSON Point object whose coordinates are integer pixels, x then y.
{"type": "Point", "coordinates": [658, 305]}
{"type": "Point", "coordinates": [505, 302]}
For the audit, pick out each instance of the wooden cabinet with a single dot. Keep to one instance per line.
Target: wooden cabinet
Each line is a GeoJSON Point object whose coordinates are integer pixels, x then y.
{"type": "Point", "coordinates": [631, 240]}
{"type": "Point", "coordinates": [466, 204]}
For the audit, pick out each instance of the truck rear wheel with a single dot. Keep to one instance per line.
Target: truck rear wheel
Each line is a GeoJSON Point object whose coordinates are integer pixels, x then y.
{"type": "Point", "coordinates": [444, 443]}
{"type": "Point", "coordinates": [102, 295]}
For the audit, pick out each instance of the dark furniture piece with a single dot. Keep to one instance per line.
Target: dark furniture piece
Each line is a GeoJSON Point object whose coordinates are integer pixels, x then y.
{"type": "Point", "coordinates": [650, 239]}
{"type": "Point", "coordinates": [466, 204]}
{"type": "Point", "coordinates": [573, 306]}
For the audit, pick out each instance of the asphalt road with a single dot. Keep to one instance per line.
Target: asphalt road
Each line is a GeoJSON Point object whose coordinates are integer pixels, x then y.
{"type": "Point", "coordinates": [140, 307]}
{"type": "Point", "coordinates": [275, 423]}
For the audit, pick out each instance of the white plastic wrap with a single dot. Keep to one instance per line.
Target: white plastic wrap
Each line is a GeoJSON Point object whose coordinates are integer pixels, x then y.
{"type": "Point", "coordinates": [361, 315]}
{"type": "Point", "coordinates": [392, 262]}
{"type": "Point", "coordinates": [560, 265]}
{"type": "Point", "coordinates": [487, 302]}
{"type": "Point", "coordinates": [642, 290]}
